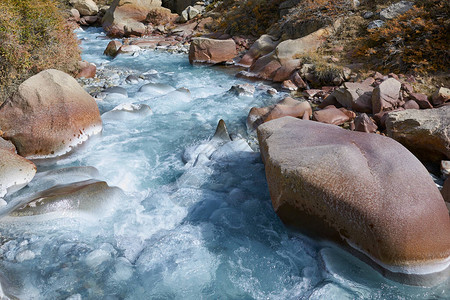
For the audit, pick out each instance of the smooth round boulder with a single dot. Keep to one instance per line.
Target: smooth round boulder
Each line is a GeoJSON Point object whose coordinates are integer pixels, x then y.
{"type": "Point", "coordinates": [49, 115]}
{"type": "Point", "coordinates": [85, 7]}
{"type": "Point", "coordinates": [15, 172]}
{"type": "Point", "coordinates": [365, 190]}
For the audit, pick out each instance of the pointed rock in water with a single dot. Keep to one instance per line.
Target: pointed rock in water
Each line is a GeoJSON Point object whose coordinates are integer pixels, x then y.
{"type": "Point", "coordinates": [221, 133]}
{"type": "Point", "coordinates": [89, 196]}
{"type": "Point", "coordinates": [15, 172]}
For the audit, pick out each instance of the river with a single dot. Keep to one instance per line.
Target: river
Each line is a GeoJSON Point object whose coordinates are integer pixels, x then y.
{"type": "Point", "coordinates": [182, 225]}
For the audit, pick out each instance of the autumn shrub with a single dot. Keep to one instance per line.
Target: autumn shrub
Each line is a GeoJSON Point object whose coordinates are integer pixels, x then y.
{"type": "Point", "coordinates": [34, 37]}
{"type": "Point", "coordinates": [247, 17]}
{"type": "Point", "coordinates": [416, 42]}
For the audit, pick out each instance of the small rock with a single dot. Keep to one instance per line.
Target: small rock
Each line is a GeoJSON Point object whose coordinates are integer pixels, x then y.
{"type": "Point", "coordinates": [411, 104]}
{"type": "Point", "coordinates": [245, 89]}
{"type": "Point", "coordinates": [376, 24]}
{"type": "Point", "coordinates": [386, 96]}
{"type": "Point", "coordinates": [365, 124]}
{"type": "Point", "coordinates": [396, 9]}
{"type": "Point", "coordinates": [132, 79]}
{"type": "Point", "coordinates": [113, 48]}
{"type": "Point", "coordinates": [445, 168]}
{"type": "Point", "coordinates": [331, 115]}
{"type": "Point", "coordinates": [129, 49]}
{"type": "Point", "coordinates": [441, 96]}
{"type": "Point", "coordinates": [116, 90]}
{"type": "Point", "coordinates": [422, 100]}
{"type": "Point", "coordinates": [368, 15]}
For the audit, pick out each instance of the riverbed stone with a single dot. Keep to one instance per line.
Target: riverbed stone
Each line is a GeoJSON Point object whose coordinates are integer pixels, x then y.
{"type": "Point", "coordinates": [126, 17]}
{"type": "Point", "coordinates": [286, 107]}
{"type": "Point", "coordinates": [87, 69]}
{"type": "Point", "coordinates": [264, 45]}
{"type": "Point", "coordinates": [353, 187]}
{"type": "Point", "coordinates": [49, 115]}
{"type": "Point", "coordinates": [331, 115]}
{"type": "Point", "coordinates": [355, 95]}
{"type": "Point", "coordinates": [426, 133]}
{"type": "Point", "coordinates": [210, 51]}
{"type": "Point", "coordinates": [113, 48]}
{"type": "Point", "coordinates": [85, 7]}
{"type": "Point", "coordinates": [15, 171]}
{"type": "Point", "coordinates": [441, 96]}
{"type": "Point", "coordinates": [364, 123]}
{"type": "Point", "coordinates": [386, 96]}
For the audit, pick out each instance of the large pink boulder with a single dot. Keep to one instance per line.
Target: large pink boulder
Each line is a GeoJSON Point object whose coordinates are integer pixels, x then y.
{"type": "Point", "coordinates": [48, 115]}
{"type": "Point", "coordinates": [210, 51]}
{"type": "Point", "coordinates": [361, 189]}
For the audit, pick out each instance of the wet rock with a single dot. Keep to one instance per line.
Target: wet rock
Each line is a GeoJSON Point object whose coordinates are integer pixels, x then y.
{"type": "Point", "coordinates": [15, 171]}
{"type": "Point", "coordinates": [386, 96]}
{"type": "Point", "coordinates": [129, 49]}
{"type": "Point", "coordinates": [289, 85]}
{"type": "Point", "coordinates": [116, 90]}
{"type": "Point", "coordinates": [132, 79]}
{"type": "Point", "coordinates": [244, 89]}
{"type": "Point", "coordinates": [87, 196]}
{"type": "Point", "coordinates": [356, 96]}
{"type": "Point", "coordinates": [205, 50]}
{"type": "Point", "coordinates": [424, 132]}
{"type": "Point", "coordinates": [364, 123]}
{"type": "Point", "coordinates": [49, 115]}
{"type": "Point", "coordinates": [126, 17]}
{"type": "Point", "coordinates": [298, 156]}
{"type": "Point", "coordinates": [113, 48]}
{"type": "Point", "coordinates": [87, 70]}
{"type": "Point", "coordinates": [441, 96]}
{"type": "Point", "coordinates": [156, 88]}
{"type": "Point", "coordinates": [286, 107]}
{"type": "Point", "coordinates": [331, 115]}
{"type": "Point", "coordinates": [85, 7]}
{"type": "Point", "coordinates": [396, 9]}
{"type": "Point", "coordinates": [128, 111]}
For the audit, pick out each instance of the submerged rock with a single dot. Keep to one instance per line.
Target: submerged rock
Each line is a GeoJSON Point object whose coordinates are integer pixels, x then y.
{"type": "Point", "coordinates": [49, 115]}
{"type": "Point", "coordinates": [15, 172]}
{"type": "Point", "coordinates": [89, 196]}
{"type": "Point", "coordinates": [424, 132]}
{"type": "Point", "coordinates": [363, 189]}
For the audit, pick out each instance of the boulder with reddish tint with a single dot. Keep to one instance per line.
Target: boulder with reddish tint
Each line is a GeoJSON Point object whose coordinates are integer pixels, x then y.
{"type": "Point", "coordinates": [15, 171]}
{"type": "Point", "coordinates": [126, 17]}
{"type": "Point", "coordinates": [411, 104]}
{"type": "Point", "coordinates": [113, 48]}
{"type": "Point", "coordinates": [426, 133]}
{"type": "Point", "coordinates": [386, 96]}
{"type": "Point", "coordinates": [160, 16]}
{"type": "Point", "coordinates": [356, 96]}
{"type": "Point", "coordinates": [446, 191]}
{"type": "Point", "coordinates": [365, 124]}
{"type": "Point", "coordinates": [441, 96]}
{"type": "Point", "coordinates": [331, 115]}
{"type": "Point", "coordinates": [87, 70]}
{"type": "Point", "coordinates": [48, 115]}
{"type": "Point", "coordinates": [205, 50]}
{"type": "Point", "coordinates": [421, 100]}
{"type": "Point", "coordinates": [264, 45]}
{"type": "Point", "coordinates": [362, 189]}
{"type": "Point", "coordinates": [286, 107]}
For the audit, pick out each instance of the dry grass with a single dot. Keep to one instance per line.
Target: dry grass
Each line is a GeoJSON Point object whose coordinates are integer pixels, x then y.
{"type": "Point", "coordinates": [34, 37]}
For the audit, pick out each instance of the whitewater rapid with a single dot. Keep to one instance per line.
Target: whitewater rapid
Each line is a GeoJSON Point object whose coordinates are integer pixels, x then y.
{"type": "Point", "coordinates": [180, 217]}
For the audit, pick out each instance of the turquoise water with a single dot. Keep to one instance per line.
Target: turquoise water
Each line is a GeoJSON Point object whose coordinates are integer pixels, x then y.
{"type": "Point", "coordinates": [188, 223]}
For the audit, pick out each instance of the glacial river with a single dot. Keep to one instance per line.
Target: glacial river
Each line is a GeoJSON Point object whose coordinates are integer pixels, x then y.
{"type": "Point", "coordinates": [183, 217]}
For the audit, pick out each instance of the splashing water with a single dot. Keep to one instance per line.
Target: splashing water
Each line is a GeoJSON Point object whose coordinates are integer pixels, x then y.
{"type": "Point", "coordinates": [193, 219]}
